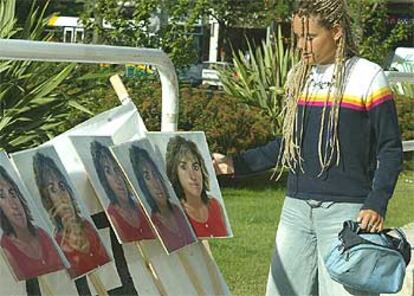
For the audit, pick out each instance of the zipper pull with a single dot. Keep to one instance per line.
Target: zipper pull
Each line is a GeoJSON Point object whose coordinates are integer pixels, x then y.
{"type": "Point", "coordinates": [347, 256]}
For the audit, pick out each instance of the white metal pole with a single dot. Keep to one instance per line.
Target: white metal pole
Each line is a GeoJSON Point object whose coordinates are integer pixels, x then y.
{"type": "Point", "coordinates": [398, 77]}
{"type": "Point", "coordinates": [214, 40]}
{"type": "Point", "coordinates": [89, 53]}
{"type": "Point", "coordinates": [395, 76]}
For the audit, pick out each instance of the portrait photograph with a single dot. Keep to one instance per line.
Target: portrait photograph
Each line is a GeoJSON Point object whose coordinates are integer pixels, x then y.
{"type": "Point", "coordinates": [144, 170]}
{"type": "Point", "coordinates": [26, 242]}
{"type": "Point", "coordinates": [74, 230]}
{"type": "Point", "coordinates": [121, 206]}
{"type": "Point", "coordinates": [190, 170]}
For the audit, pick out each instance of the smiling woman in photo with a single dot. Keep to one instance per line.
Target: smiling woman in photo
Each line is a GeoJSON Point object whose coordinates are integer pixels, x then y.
{"type": "Point", "coordinates": [188, 174]}
{"type": "Point", "coordinates": [76, 236]}
{"type": "Point", "coordinates": [29, 250]}
{"type": "Point", "coordinates": [125, 213]}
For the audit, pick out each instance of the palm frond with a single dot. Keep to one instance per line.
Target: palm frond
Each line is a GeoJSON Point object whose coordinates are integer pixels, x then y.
{"type": "Point", "coordinates": [258, 78]}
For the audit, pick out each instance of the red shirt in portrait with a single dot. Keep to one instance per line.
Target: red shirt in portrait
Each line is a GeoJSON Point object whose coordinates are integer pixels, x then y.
{"type": "Point", "coordinates": [83, 262]}
{"type": "Point", "coordinates": [26, 267]}
{"type": "Point", "coordinates": [214, 226]}
{"type": "Point", "coordinates": [128, 232]}
{"type": "Point", "coordinates": [174, 239]}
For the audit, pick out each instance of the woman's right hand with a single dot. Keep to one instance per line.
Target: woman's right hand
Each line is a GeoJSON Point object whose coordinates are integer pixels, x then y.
{"type": "Point", "coordinates": [223, 165]}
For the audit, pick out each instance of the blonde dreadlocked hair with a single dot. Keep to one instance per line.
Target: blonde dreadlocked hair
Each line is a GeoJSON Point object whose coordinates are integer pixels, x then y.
{"type": "Point", "coordinates": [329, 13]}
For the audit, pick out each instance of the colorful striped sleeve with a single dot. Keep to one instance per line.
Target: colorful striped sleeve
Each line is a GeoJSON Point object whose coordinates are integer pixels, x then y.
{"type": "Point", "coordinates": [378, 96]}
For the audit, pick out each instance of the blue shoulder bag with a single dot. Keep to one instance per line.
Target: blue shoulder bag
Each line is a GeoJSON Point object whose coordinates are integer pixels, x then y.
{"type": "Point", "coordinates": [371, 262]}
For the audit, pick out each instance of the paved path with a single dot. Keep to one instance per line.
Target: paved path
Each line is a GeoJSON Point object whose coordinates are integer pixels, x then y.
{"type": "Point", "coordinates": [408, 287]}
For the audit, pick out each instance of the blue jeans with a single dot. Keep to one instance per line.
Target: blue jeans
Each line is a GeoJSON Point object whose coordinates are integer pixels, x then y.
{"type": "Point", "coordinates": [306, 233]}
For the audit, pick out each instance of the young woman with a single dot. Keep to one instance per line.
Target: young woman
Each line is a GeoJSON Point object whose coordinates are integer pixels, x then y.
{"type": "Point", "coordinates": [340, 142]}
{"type": "Point", "coordinates": [167, 217]}
{"type": "Point", "coordinates": [125, 214]}
{"type": "Point", "coordinates": [29, 250]}
{"type": "Point", "coordinates": [76, 236]}
{"type": "Point", "coordinates": [188, 175]}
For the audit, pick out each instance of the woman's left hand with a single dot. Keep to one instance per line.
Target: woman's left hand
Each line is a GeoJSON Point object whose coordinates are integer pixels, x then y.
{"type": "Point", "coordinates": [370, 221]}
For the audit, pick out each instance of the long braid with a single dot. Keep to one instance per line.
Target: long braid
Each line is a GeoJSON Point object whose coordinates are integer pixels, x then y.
{"type": "Point", "coordinates": [332, 147]}
{"type": "Point", "coordinates": [330, 13]}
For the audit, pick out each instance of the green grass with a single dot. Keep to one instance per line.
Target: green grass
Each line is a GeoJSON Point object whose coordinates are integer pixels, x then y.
{"type": "Point", "coordinates": [401, 206]}
{"type": "Point", "coordinates": [254, 206]}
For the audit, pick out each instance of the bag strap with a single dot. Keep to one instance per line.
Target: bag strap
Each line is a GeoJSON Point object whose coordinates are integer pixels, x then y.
{"type": "Point", "coordinates": [401, 243]}
{"type": "Point", "coordinates": [350, 238]}
{"type": "Point", "coordinates": [399, 232]}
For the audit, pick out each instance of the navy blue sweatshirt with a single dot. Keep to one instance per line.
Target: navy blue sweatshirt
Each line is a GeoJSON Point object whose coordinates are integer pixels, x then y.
{"type": "Point", "coordinates": [369, 137]}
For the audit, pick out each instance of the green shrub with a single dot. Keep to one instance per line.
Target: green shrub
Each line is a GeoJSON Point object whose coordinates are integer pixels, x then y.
{"type": "Point", "coordinates": [404, 105]}
{"type": "Point", "coordinates": [230, 126]}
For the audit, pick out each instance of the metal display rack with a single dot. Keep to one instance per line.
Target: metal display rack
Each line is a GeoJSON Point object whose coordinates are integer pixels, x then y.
{"type": "Point", "coordinates": [13, 49]}
{"type": "Point", "coordinates": [396, 77]}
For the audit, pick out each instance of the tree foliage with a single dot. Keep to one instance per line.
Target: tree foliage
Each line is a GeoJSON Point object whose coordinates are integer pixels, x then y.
{"type": "Point", "coordinates": [168, 24]}
{"type": "Point", "coordinates": [377, 36]}
{"type": "Point", "coordinates": [146, 23]}
{"type": "Point", "coordinates": [254, 13]}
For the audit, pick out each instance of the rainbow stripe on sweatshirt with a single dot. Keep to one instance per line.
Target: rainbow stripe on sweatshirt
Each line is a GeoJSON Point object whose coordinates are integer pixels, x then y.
{"type": "Point", "coordinates": [357, 103]}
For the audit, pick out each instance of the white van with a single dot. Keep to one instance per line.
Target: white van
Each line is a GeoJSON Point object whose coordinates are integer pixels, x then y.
{"type": "Point", "coordinates": [67, 28]}
{"type": "Point", "coordinates": [403, 60]}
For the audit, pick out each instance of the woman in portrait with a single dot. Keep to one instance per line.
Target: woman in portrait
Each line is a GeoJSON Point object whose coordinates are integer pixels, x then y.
{"type": "Point", "coordinates": [125, 213]}
{"type": "Point", "coordinates": [166, 216]}
{"type": "Point", "coordinates": [76, 236]}
{"type": "Point", "coordinates": [29, 250]}
{"type": "Point", "coordinates": [188, 174]}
